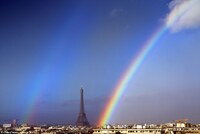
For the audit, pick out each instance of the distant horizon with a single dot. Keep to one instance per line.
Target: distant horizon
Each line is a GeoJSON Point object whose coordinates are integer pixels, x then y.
{"type": "Point", "coordinates": [93, 124]}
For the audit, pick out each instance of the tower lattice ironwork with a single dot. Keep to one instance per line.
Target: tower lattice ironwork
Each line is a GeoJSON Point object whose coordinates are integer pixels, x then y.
{"type": "Point", "coordinates": [82, 119]}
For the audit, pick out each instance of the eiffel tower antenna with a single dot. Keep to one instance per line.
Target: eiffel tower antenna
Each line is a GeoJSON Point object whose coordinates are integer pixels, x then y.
{"type": "Point", "coordinates": [82, 119]}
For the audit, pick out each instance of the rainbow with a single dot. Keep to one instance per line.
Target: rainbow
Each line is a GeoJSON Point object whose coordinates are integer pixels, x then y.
{"type": "Point", "coordinates": [36, 87]}
{"type": "Point", "coordinates": [171, 20]}
{"type": "Point", "coordinates": [39, 84]}
{"type": "Point", "coordinates": [126, 77]}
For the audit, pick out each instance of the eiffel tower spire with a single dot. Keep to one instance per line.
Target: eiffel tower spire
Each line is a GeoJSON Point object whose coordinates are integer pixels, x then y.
{"type": "Point", "coordinates": [82, 119]}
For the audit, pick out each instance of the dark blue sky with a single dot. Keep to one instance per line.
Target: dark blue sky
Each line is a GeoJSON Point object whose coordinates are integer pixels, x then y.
{"type": "Point", "coordinates": [50, 48]}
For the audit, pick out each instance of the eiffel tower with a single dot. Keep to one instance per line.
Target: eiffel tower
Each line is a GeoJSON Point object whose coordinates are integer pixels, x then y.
{"type": "Point", "coordinates": [82, 119]}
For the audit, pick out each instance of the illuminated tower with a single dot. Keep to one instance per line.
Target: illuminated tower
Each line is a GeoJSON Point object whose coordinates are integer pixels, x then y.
{"type": "Point", "coordinates": [82, 119]}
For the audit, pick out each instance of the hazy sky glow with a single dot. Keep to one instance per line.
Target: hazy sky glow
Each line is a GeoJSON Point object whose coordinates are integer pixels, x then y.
{"type": "Point", "coordinates": [49, 49]}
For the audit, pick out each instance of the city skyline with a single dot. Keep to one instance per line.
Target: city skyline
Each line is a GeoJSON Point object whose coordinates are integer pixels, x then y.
{"type": "Point", "coordinates": [49, 49]}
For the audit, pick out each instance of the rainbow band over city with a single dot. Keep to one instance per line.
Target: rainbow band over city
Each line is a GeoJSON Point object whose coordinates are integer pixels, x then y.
{"type": "Point", "coordinates": [126, 77]}
{"type": "Point", "coordinates": [136, 62]}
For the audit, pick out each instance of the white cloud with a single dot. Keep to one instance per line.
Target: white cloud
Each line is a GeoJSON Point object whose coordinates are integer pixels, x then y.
{"type": "Point", "coordinates": [116, 12]}
{"type": "Point", "coordinates": [184, 14]}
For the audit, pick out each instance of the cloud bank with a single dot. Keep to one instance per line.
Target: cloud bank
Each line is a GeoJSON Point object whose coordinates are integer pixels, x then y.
{"type": "Point", "coordinates": [184, 14]}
